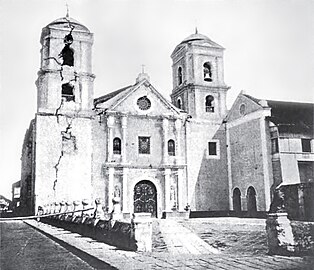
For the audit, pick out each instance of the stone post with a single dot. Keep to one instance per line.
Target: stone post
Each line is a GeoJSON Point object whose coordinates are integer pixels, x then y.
{"type": "Point", "coordinates": [99, 213]}
{"type": "Point", "coordinates": [142, 229]}
{"type": "Point", "coordinates": [279, 234]}
{"type": "Point", "coordinates": [86, 205]}
{"type": "Point", "coordinates": [76, 206]}
{"type": "Point", "coordinates": [56, 208]}
{"type": "Point", "coordinates": [116, 202]}
{"type": "Point", "coordinates": [69, 207]}
{"type": "Point", "coordinates": [63, 207]}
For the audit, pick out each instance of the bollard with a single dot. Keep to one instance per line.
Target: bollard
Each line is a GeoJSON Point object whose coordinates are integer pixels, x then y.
{"type": "Point", "coordinates": [279, 234]}
{"type": "Point", "coordinates": [142, 231]}
{"type": "Point", "coordinates": [99, 213]}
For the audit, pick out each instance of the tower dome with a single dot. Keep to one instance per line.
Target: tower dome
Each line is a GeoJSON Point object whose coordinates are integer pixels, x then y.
{"type": "Point", "coordinates": [63, 23]}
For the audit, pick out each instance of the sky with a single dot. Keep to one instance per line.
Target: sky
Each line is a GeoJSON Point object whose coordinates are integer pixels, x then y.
{"type": "Point", "coordinates": [269, 51]}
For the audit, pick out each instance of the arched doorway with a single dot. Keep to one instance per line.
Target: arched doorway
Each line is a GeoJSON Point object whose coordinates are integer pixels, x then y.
{"type": "Point", "coordinates": [251, 202]}
{"type": "Point", "coordinates": [145, 198]}
{"type": "Point", "coordinates": [236, 200]}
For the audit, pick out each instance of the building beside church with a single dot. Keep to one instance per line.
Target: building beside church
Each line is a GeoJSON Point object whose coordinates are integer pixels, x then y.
{"type": "Point", "coordinates": [135, 148]}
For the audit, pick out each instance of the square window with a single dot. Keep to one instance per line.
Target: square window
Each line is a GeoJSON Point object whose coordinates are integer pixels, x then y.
{"type": "Point", "coordinates": [212, 149]}
{"type": "Point", "coordinates": [144, 145]}
{"type": "Point", "coordinates": [306, 145]}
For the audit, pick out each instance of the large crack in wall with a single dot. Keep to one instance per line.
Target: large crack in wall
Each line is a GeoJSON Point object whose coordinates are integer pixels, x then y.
{"type": "Point", "coordinates": [67, 76]}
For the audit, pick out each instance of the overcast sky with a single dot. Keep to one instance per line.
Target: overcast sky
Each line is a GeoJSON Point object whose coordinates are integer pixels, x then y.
{"type": "Point", "coordinates": [269, 51]}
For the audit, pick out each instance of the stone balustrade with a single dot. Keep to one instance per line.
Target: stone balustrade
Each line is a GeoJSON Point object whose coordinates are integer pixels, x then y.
{"type": "Point", "coordinates": [97, 224]}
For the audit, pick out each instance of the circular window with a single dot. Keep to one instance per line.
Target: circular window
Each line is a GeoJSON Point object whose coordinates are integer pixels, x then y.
{"type": "Point", "coordinates": [143, 103]}
{"type": "Point", "coordinates": [242, 109]}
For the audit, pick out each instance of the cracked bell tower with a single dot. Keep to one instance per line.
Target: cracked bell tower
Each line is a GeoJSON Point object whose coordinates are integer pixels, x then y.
{"type": "Point", "coordinates": [65, 79]}
{"type": "Point", "coordinates": [62, 164]}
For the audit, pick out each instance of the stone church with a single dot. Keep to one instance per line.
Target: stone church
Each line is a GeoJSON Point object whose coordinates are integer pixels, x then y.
{"type": "Point", "coordinates": [136, 148]}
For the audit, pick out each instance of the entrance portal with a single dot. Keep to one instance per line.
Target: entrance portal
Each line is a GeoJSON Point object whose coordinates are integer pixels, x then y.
{"type": "Point", "coordinates": [145, 198]}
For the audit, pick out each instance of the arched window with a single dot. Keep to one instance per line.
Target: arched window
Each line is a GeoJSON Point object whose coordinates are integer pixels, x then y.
{"type": "Point", "coordinates": [180, 79]}
{"type": "Point", "coordinates": [171, 148]}
{"type": "Point", "coordinates": [117, 146]}
{"type": "Point", "coordinates": [207, 69]}
{"type": "Point", "coordinates": [209, 104]}
{"type": "Point", "coordinates": [179, 104]}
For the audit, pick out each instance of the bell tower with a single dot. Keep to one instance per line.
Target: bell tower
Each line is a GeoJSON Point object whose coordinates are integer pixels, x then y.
{"type": "Point", "coordinates": [65, 79]}
{"type": "Point", "coordinates": [198, 78]}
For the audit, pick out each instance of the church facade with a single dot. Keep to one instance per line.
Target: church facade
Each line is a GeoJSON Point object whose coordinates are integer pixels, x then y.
{"type": "Point", "coordinates": [134, 148]}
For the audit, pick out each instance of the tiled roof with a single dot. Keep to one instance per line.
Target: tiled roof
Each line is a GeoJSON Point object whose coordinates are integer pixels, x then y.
{"type": "Point", "coordinates": [111, 95]}
{"type": "Point", "coordinates": [295, 117]}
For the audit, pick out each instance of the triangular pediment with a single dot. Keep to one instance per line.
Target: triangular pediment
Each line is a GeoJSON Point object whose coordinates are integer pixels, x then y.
{"type": "Point", "coordinates": [141, 98]}
{"type": "Point", "coordinates": [242, 106]}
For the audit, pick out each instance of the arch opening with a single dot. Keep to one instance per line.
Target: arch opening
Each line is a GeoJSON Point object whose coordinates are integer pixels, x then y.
{"type": "Point", "coordinates": [251, 202]}
{"type": "Point", "coordinates": [236, 200]}
{"type": "Point", "coordinates": [145, 198]}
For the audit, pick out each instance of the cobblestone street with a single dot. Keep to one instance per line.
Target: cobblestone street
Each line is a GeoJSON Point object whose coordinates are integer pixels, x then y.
{"type": "Point", "coordinates": [24, 247]}
{"type": "Point", "coordinates": [231, 235]}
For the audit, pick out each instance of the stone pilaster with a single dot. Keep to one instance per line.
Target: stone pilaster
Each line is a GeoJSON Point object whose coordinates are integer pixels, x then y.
{"type": "Point", "coordinates": [180, 190]}
{"type": "Point", "coordinates": [167, 190]}
{"type": "Point", "coordinates": [110, 125]}
{"type": "Point", "coordinates": [125, 208]}
{"type": "Point", "coordinates": [110, 188]}
{"type": "Point", "coordinates": [124, 137]}
{"type": "Point", "coordinates": [178, 139]}
{"type": "Point", "coordinates": [165, 140]}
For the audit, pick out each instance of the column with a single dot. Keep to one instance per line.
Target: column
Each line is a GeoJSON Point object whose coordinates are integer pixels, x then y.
{"type": "Point", "coordinates": [125, 208]}
{"type": "Point", "coordinates": [165, 140]}
{"type": "Point", "coordinates": [110, 188]}
{"type": "Point", "coordinates": [167, 190]}
{"type": "Point", "coordinates": [178, 139]}
{"type": "Point", "coordinates": [110, 124]}
{"type": "Point", "coordinates": [124, 134]}
{"type": "Point", "coordinates": [180, 190]}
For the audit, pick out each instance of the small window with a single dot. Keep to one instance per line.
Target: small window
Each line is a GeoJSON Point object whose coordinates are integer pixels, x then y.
{"type": "Point", "coordinates": [209, 104]}
{"type": "Point", "coordinates": [171, 148]}
{"type": "Point", "coordinates": [116, 146]}
{"type": "Point", "coordinates": [212, 148]}
{"type": "Point", "coordinates": [67, 92]}
{"type": "Point", "coordinates": [207, 72]}
{"type": "Point", "coordinates": [306, 145]}
{"type": "Point", "coordinates": [144, 145]}
{"type": "Point", "coordinates": [179, 104]}
{"type": "Point", "coordinates": [242, 109]}
{"type": "Point", "coordinates": [144, 103]}
{"type": "Point", "coordinates": [180, 79]}
{"type": "Point", "coordinates": [274, 146]}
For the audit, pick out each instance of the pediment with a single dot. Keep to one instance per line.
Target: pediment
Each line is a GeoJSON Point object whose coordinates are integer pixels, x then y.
{"type": "Point", "coordinates": [141, 99]}
{"type": "Point", "coordinates": [242, 106]}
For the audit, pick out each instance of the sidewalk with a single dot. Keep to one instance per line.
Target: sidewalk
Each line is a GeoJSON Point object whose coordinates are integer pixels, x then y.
{"type": "Point", "coordinates": [120, 259]}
